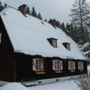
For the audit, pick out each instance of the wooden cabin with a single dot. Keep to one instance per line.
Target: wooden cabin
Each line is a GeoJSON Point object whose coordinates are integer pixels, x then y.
{"type": "Point", "coordinates": [30, 50]}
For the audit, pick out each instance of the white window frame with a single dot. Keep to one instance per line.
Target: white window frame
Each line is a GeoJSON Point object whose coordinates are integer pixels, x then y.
{"type": "Point", "coordinates": [80, 65]}
{"type": "Point", "coordinates": [38, 64]}
{"type": "Point", "coordinates": [71, 65]}
{"type": "Point", "coordinates": [0, 38]}
{"type": "Point", "coordinates": [57, 65]}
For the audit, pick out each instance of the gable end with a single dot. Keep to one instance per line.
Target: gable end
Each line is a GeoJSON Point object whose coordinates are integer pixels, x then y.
{"type": "Point", "coordinates": [5, 46]}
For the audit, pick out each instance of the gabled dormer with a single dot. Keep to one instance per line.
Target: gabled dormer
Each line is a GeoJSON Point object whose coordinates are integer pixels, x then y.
{"type": "Point", "coordinates": [67, 45]}
{"type": "Point", "coordinates": [53, 42]}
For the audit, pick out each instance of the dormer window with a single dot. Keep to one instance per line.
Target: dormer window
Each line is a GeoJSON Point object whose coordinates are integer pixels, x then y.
{"type": "Point", "coordinates": [53, 42]}
{"type": "Point", "coordinates": [66, 45]}
{"type": "Point", "coordinates": [0, 38]}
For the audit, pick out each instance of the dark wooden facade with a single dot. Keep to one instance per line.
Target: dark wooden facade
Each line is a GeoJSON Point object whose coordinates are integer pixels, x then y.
{"type": "Point", "coordinates": [15, 66]}
{"type": "Point", "coordinates": [25, 72]}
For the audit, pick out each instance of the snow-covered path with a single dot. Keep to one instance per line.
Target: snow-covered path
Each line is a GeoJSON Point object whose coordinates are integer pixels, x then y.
{"type": "Point", "coordinates": [65, 85]}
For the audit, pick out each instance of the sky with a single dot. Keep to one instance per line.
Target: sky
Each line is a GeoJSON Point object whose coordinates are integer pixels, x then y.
{"type": "Point", "coordinates": [59, 9]}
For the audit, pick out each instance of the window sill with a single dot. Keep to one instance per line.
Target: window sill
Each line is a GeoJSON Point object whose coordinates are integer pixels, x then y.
{"type": "Point", "coordinates": [58, 71]}
{"type": "Point", "coordinates": [72, 70]}
{"type": "Point", "coordinates": [81, 70]}
{"type": "Point", "coordinates": [40, 72]}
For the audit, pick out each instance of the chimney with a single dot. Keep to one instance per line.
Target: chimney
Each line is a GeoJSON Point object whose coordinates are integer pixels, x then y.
{"type": "Point", "coordinates": [24, 9]}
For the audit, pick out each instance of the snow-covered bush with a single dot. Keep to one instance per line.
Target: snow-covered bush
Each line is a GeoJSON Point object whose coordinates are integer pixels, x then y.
{"type": "Point", "coordinates": [86, 49]}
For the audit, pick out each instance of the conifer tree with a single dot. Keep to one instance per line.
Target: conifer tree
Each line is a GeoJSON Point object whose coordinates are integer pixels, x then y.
{"type": "Point", "coordinates": [45, 20]}
{"type": "Point", "coordinates": [63, 27]}
{"type": "Point", "coordinates": [0, 3]}
{"type": "Point", "coordinates": [39, 16]}
{"type": "Point", "coordinates": [1, 7]}
{"type": "Point", "coordinates": [28, 10]}
{"type": "Point", "coordinates": [58, 24]}
{"type": "Point", "coordinates": [81, 17]}
{"type": "Point", "coordinates": [5, 5]}
{"type": "Point", "coordinates": [34, 12]}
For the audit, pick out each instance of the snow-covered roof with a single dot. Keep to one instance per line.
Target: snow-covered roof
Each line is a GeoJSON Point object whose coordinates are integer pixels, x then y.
{"type": "Point", "coordinates": [29, 35]}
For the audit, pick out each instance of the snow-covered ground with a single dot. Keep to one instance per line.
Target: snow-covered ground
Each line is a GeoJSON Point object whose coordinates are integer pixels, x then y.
{"type": "Point", "coordinates": [65, 85]}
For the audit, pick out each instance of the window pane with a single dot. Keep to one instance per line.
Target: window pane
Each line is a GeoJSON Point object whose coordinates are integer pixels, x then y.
{"type": "Point", "coordinates": [67, 45]}
{"type": "Point", "coordinates": [71, 65]}
{"type": "Point", "coordinates": [54, 42]}
{"type": "Point", "coordinates": [38, 64]}
{"type": "Point", "coordinates": [80, 65]}
{"type": "Point", "coordinates": [41, 65]}
{"type": "Point", "coordinates": [61, 65]}
{"type": "Point", "coordinates": [34, 64]}
{"type": "Point", "coordinates": [57, 65]}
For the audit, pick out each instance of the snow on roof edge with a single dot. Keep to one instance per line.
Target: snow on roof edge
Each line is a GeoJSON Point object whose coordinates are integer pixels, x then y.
{"type": "Point", "coordinates": [17, 48]}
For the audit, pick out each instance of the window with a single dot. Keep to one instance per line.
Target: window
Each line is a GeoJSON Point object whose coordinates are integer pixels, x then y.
{"type": "Point", "coordinates": [0, 38]}
{"type": "Point", "coordinates": [71, 66]}
{"type": "Point", "coordinates": [80, 66]}
{"type": "Point", "coordinates": [66, 45]}
{"type": "Point", "coordinates": [57, 66]}
{"type": "Point", "coordinates": [53, 42]}
{"type": "Point", "coordinates": [38, 65]}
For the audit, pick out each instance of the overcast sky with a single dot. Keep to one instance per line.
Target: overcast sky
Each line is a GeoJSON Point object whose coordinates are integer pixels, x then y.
{"type": "Point", "coordinates": [59, 9]}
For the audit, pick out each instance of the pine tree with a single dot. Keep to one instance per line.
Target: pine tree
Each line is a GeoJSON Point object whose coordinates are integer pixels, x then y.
{"type": "Point", "coordinates": [58, 24]}
{"type": "Point", "coordinates": [74, 32]}
{"type": "Point", "coordinates": [81, 17]}
{"type": "Point", "coordinates": [28, 10]}
{"type": "Point", "coordinates": [39, 16]}
{"type": "Point", "coordinates": [0, 3]}
{"type": "Point", "coordinates": [5, 5]}
{"type": "Point", "coordinates": [63, 27]}
{"type": "Point", "coordinates": [34, 12]}
{"type": "Point", "coordinates": [68, 28]}
{"type": "Point", "coordinates": [1, 7]}
{"type": "Point", "coordinates": [45, 20]}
